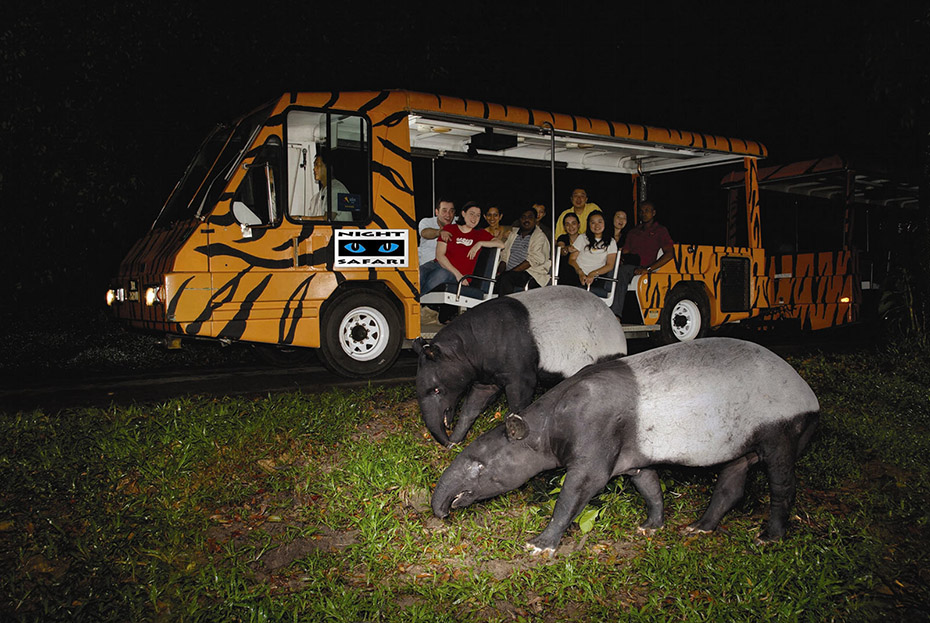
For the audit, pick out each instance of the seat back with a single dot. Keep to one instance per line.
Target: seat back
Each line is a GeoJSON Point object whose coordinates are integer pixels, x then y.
{"type": "Point", "coordinates": [480, 289]}
{"type": "Point", "coordinates": [606, 287]}
{"type": "Point", "coordinates": [486, 269]}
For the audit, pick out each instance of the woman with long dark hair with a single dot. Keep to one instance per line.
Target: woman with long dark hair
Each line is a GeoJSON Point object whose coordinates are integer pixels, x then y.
{"type": "Point", "coordinates": [594, 253]}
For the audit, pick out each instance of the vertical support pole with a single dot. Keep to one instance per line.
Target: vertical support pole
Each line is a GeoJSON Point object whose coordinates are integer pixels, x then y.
{"type": "Point", "coordinates": [635, 215]}
{"type": "Point", "coordinates": [432, 172]}
{"type": "Point", "coordinates": [552, 211]}
{"type": "Point", "coordinates": [848, 215]}
{"type": "Point", "coordinates": [753, 215]}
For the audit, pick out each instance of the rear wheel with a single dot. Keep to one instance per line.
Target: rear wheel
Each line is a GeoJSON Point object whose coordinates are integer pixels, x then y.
{"type": "Point", "coordinates": [360, 334]}
{"type": "Point", "coordinates": [685, 316]}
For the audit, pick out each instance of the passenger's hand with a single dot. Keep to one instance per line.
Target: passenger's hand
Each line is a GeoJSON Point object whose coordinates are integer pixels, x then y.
{"type": "Point", "coordinates": [474, 250]}
{"type": "Point", "coordinates": [445, 235]}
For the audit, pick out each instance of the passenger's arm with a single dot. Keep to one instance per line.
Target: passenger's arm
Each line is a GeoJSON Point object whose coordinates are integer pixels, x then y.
{"type": "Point", "coordinates": [603, 270]}
{"type": "Point", "coordinates": [444, 261]}
{"type": "Point", "coordinates": [572, 257]}
{"type": "Point", "coordinates": [429, 233]}
{"type": "Point", "coordinates": [667, 254]}
{"type": "Point", "coordinates": [476, 248]}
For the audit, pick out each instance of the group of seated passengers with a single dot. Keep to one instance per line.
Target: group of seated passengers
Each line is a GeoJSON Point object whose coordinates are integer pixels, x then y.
{"type": "Point", "coordinates": [449, 251]}
{"type": "Point", "coordinates": [525, 256]}
{"type": "Point", "coordinates": [590, 253]}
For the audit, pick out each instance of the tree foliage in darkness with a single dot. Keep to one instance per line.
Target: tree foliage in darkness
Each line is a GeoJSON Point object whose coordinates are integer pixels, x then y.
{"type": "Point", "coordinates": [103, 103]}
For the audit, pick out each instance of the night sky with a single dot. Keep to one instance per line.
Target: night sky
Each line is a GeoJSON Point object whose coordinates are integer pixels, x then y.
{"type": "Point", "coordinates": [104, 103]}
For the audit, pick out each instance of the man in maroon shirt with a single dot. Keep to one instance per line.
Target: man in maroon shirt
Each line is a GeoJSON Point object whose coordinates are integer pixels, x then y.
{"type": "Point", "coordinates": [642, 246]}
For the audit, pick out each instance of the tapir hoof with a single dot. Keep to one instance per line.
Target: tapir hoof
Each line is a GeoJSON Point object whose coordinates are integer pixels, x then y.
{"type": "Point", "coordinates": [765, 538]}
{"type": "Point", "coordinates": [649, 527]}
{"type": "Point", "coordinates": [548, 552]}
{"type": "Point", "coordinates": [696, 529]}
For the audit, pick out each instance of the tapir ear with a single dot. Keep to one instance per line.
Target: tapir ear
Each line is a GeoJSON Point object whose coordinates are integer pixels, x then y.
{"type": "Point", "coordinates": [418, 345]}
{"type": "Point", "coordinates": [516, 427]}
{"type": "Point", "coordinates": [431, 351]}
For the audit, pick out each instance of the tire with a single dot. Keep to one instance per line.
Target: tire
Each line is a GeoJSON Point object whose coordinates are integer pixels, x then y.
{"type": "Point", "coordinates": [360, 334]}
{"type": "Point", "coordinates": [685, 315]}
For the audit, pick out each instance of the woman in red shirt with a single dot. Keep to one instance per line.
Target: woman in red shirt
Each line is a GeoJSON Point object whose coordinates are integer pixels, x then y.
{"type": "Point", "coordinates": [459, 253]}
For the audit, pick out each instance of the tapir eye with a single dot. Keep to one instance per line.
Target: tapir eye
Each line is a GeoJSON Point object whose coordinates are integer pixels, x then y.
{"type": "Point", "coordinates": [436, 390]}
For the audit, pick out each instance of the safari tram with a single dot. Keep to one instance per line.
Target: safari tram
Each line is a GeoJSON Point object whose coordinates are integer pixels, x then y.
{"type": "Point", "coordinates": [295, 226]}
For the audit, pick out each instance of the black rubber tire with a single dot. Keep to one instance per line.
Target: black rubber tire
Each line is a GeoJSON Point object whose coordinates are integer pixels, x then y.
{"type": "Point", "coordinates": [360, 334]}
{"type": "Point", "coordinates": [685, 315]}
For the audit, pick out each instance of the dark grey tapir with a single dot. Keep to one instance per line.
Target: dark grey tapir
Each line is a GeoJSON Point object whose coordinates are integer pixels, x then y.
{"type": "Point", "coordinates": [511, 343]}
{"type": "Point", "coordinates": [712, 402]}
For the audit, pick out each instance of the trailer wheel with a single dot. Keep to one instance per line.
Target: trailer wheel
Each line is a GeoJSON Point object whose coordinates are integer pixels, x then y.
{"type": "Point", "coordinates": [685, 315]}
{"type": "Point", "coordinates": [360, 334]}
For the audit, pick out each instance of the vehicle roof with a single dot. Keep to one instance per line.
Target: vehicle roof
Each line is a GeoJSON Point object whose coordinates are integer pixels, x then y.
{"type": "Point", "coordinates": [448, 126]}
{"type": "Point", "coordinates": [826, 178]}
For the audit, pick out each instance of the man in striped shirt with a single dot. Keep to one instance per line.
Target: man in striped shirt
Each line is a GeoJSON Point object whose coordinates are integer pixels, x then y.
{"type": "Point", "coordinates": [525, 260]}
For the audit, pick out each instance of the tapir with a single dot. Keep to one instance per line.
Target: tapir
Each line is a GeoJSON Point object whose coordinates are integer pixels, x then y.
{"type": "Point", "coordinates": [511, 343]}
{"type": "Point", "coordinates": [711, 402]}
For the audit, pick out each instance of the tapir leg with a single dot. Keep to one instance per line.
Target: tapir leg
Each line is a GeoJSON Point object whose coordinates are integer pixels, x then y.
{"type": "Point", "coordinates": [476, 401]}
{"type": "Point", "coordinates": [731, 484]}
{"type": "Point", "coordinates": [780, 468]}
{"type": "Point", "coordinates": [579, 487]}
{"type": "Point", "coordinates": [647, 483]}
{"type": "Point", "coordinates": [780, 452]}
{"type": "Point", "coordinates": [520, 393]}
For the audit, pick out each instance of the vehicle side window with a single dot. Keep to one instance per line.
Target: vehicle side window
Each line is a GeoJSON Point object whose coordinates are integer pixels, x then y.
{"type": "Point", "coordinates": [328, 167]}
{"type": "Point", "coordinates": [254, 201]}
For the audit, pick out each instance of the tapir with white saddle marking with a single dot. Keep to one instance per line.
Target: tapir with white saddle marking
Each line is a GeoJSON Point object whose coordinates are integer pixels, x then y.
{"type": "Point", "coordinates": [712, 402]}
{"type": "Point", "coordinates": [511, 343]}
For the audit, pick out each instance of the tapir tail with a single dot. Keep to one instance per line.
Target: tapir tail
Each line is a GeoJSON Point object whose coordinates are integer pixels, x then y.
{"type": "Point", "coordinates": [811, 422]}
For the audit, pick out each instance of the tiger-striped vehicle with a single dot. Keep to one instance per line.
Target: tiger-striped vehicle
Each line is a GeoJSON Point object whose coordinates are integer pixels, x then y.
{"type": "Point", "coordinates": [295, 226]}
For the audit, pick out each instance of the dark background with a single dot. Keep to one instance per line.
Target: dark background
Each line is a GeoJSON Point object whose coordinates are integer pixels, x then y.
{"type": "Point", "coordinates": [103, 104]}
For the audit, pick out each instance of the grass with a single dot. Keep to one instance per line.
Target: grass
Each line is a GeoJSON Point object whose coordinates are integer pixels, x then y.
{"type": "Point", "coordinates": [315, 508]}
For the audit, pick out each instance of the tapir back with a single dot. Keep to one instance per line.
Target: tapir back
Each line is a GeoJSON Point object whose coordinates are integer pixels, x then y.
{"type": "Point", "coordinates": [707, 401]}
{"type": "Point", "coordinates": [571, 328]}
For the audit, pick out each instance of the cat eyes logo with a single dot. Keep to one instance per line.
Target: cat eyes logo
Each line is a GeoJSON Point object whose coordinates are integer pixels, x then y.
{"type": "Point", "coordinates": [371, 247]}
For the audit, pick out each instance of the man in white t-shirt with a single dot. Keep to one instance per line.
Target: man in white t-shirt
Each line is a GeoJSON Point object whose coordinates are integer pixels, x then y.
{"type": "Point", "coordinates": [429, 229]}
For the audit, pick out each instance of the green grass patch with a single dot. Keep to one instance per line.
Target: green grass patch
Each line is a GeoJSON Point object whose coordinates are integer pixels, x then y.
{"type": "Point", "coordinates": [316, 507]}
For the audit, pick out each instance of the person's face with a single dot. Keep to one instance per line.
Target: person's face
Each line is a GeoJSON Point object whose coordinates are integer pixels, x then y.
{"type": "Point", "coordinates": [571, 226]}
{"type": "Point", "coordinates": [596, 225]}
{"type": "Point", "coordinates": [579, 198]}
{"type": "Point", "coordinates": [619, 220]}
{"type": "Point", "coordinates": [472, 215]}
{"type": "Point", "coordinates": [647, 213]}
{"type": "Point", "coordinates": [319, 169]}
{"type": "Point", "coordinates": [445, 213]}
{"type": "Point", "coordinates": [540, 211]}
{"type": "Point", "coordinates": [528, 220]}
{"type": "Point", "coordinates": [493, 216]}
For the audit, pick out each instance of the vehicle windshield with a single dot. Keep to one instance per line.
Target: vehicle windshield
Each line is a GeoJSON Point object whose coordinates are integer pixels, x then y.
{"type": "Point", "coordinates": [208, 172]}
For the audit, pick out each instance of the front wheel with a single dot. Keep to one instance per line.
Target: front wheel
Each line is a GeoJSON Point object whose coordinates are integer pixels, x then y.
{"type": "Point", "coordinates": [360, 334]}
{"type": "Point", "coordinates": [685, 316]}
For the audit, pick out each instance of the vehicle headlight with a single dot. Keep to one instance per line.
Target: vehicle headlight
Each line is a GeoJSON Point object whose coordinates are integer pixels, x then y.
{"type": "Point", "coordinates": [153, 295]}
{"type": "Point", "coordinates": [115, 295]}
